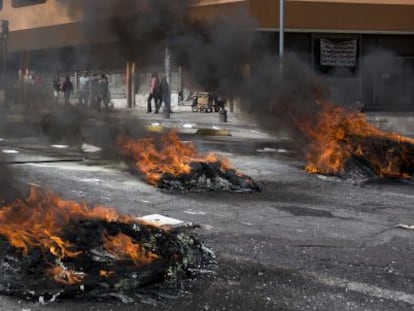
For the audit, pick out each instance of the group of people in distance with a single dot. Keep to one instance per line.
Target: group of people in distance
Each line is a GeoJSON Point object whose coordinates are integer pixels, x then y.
{"type": "Point", "coordinates": [160, 93]}
{"type": "Point", "coordinates": [92, 91]}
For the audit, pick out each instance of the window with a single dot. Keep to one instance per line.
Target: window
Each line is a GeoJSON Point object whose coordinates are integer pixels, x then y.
{"type": "Point", "coordinates": [1, 5]}
{"type": "Point", "coordinates": [21, 3]}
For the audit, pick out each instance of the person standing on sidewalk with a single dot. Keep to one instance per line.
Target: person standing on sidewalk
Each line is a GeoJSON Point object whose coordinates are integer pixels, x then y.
{"type": "Point", "coordinates": [154, 93]}
{"type": "Point", "coordinates": [67, 89]}
{"type": "Point", "coordinates": [165, 95]}
{"type": "Point", "coordinates": [84, 85]}
{"type": "Point", "coordinates": [57, 86]}
{"type": "Point", "coordinates": [94, 98]}
{"type": "Point", "coordinates": [29, 95]}
{"type": "Point", "coordinates": [103, 92]}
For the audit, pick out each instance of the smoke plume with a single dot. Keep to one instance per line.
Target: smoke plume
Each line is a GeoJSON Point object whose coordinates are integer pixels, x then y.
{"type": "Point", "coordinates": [222, 55]}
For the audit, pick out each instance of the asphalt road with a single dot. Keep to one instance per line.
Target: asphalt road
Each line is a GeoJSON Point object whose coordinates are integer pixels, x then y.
{"type": "Point", "coordinates": [305, 242]}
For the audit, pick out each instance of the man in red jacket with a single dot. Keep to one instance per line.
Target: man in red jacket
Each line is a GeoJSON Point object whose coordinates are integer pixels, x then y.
{"type": "Point", "coordinates": [154, 93]}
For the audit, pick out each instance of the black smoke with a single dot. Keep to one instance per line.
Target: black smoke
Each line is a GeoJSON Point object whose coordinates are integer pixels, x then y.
{"type": "Point", "coordinates": [223, 55]}
{"type": "Point", "coordinates": [139, 28]}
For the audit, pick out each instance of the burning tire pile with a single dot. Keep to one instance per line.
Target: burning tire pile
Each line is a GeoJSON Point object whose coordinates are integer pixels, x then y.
{"type": "Point", "coordinates": [51, 248]}
{"type": "Point", "coordinates": [343, 143]}
{"type": "Point", "coordinates": [175, 165]}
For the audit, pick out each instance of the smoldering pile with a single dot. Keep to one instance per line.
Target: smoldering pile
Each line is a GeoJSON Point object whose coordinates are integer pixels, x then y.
{"type": "Point", "coordinates": [208, 176]}
{"type": "Point", "coordinates": [174, 165]}
{"type": "Point", "coordinates": [76, 252]}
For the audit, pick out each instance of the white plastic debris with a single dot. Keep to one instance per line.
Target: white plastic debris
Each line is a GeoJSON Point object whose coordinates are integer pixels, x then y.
{"type": "Point", "coordinates": [90, 148]}
{"type": "Point", "coordinates": [10, 151]}
{"type": "Point", "coordinates": [403, 226]}
{"type": "Point", "coordinates": [187, 125]}
{"type": "Point", "coordinates": [272, 150]}
{"type": "Point", "coordinates": [161, 221]}
{"type": "Point", "coordinates": [193, 212]}
{"type": "Point", "coordinates": [59, 146]}
{"type": "Point", "coordinates": [281, 150]}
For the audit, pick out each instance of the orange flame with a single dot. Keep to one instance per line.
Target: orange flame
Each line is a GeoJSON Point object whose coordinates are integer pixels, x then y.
{"type": "Point", "coordinates": [38, 221]}
{"type": "Point", "coordinates": [340, 133]}
{"type": "Point", "coordinates": [65, 276]}
{"type": "Point", "coordinates": [122, 246]}
{"type": "Point", "coordinates": [106, 274]}
{"type": "Point", "coordinates": [172, 158]}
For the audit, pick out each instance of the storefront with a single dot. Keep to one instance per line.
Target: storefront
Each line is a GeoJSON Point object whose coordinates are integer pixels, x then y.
{"type": "Point", "coordinates": [364, 48]}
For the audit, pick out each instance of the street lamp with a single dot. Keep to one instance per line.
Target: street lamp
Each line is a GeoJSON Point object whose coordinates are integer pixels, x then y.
{"type": "Point", "coordinates": [4, 37]}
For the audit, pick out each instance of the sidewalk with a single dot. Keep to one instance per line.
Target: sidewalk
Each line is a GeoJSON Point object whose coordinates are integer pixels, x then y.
{"type": "Point", "coordinates": [184, 120]}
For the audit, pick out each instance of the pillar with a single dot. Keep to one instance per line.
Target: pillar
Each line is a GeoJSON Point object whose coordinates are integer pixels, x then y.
{"type": "Point", "coordinates": [130, 84]}
{"type": "Point", "coordinates": [167, 65]}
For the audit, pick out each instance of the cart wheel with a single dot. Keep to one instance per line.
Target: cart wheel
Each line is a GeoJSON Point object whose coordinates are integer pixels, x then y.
{"type": "Point", "coordinates": [209, 109]}
{"type": "Point", "coordinates": [194, 108]}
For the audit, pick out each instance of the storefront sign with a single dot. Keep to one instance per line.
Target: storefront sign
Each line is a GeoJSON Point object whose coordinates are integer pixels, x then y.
{"type": "Point", "coordinates": [342, 53]}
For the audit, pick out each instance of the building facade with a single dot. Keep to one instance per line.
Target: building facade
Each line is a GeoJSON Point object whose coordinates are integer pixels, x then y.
{"type": "Point", "coordinates": [363, 48]}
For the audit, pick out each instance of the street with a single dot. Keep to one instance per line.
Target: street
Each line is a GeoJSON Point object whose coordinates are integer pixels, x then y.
{"type": "Point", "coordinates": [304, 242]}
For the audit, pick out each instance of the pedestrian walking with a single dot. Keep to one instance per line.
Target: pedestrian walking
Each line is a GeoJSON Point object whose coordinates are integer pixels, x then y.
{"type": "Point", "coordinates": [67, 89]}
{"type": "Point", "coordinates": [29, 93]}
{"type": "Point", "coordinates": [94, 98]}
{"type": "Point", "coordinates": [103, 91]}
{"type": "Point", "coordinates": [165, 94]}
{"type": "Point", "coordinates": [57, 86]}
{"type": "Point", "coordinates": [84, 85]}
{"type": "Point", "coordinates": [154, 93]}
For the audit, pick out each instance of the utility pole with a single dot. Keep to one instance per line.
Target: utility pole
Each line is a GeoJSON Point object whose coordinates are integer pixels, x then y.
{"type": "Point", "coordinates": [281, 36]}
{"type": "Point", "coordinates": [4, 37]}
{"type": "Point", "coordinates": [281, 27]}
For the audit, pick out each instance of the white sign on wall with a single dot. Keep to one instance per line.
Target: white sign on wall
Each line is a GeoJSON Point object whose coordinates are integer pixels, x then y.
{"type": "Point", "coordinates": [341, 53]}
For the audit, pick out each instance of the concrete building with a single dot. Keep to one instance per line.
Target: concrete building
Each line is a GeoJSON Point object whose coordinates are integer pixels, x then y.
{"type": "Point", "coordinates": [364, 46]}
{"type": "Point", "coordinates": [376, 36]}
